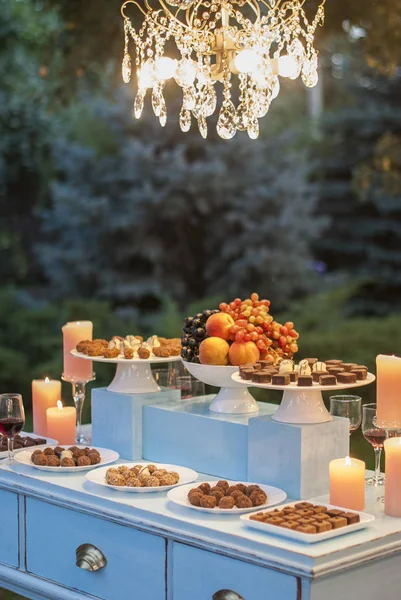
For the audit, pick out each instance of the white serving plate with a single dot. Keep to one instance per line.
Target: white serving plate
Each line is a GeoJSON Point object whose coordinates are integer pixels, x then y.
{"type": "Point", "coordinates": [107, 457]}
{"type": "Point", "coordinates": [186, 476]}
{"type": "Point", "coordinates": [309, 538]}
{"type": "Point", "coordinates": [274, 496]}
{"type": "Point", "coordinates": [121, 360]}
{"type": "Point", "coordinates": [49, 442]}
{"type": "Point", "coordinates": [294, 386]}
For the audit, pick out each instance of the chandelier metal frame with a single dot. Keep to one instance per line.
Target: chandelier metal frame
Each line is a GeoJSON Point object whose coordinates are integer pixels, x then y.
{"type": "Point", "coordinates": [244, 44]}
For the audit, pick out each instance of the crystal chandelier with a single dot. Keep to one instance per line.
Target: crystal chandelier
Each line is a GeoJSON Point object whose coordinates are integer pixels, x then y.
{"type": "Point", "coordinates": [243, 44]}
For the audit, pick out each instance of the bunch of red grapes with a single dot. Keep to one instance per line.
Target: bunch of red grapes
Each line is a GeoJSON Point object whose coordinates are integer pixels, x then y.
{"type": "Point", "coordinates": [253, 323]}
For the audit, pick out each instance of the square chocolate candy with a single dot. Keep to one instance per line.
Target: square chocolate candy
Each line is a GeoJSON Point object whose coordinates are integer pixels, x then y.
{"type": "Point", "coordinates": [305, 380]}
{"type": "Point", "coordinates": [281, 379]}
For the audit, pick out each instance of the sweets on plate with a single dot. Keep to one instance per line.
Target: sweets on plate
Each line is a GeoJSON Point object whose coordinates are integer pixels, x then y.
{"type": "Point", "coordinates": [132, 346]}
{"type": "Point", "coordinates": [62, 457]}
{"type": "Point", "coordinates": [307, 518]}
{"type": "Point", "coordinates": [224, 495]}
{"type": "Point", "coordinates": [141, 476]}
{"type": "Point", "coordinates": [21, 441]}
{"type": "Point", "coordinates": [307, 373]}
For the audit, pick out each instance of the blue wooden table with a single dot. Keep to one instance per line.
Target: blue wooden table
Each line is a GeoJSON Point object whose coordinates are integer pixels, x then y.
{"type": "Point", "coordinates": [158, 551]}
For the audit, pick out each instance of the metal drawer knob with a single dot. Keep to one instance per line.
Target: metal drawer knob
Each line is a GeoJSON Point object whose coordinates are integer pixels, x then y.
{"type": "Point", "coordinates": [227, 595]}
{"type": "Point", "coordinates": [90, 558]}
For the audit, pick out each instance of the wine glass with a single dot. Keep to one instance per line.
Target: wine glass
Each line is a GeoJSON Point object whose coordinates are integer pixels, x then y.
{"type": "Point", "coordinates": [12, 419]}
{"type": "Point", "coordinates": [348, 407]}
{"type": "Point", "coordinates": [375, 436]}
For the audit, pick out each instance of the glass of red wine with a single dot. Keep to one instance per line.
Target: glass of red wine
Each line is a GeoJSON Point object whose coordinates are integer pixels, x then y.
{"type": "Point", "coordinates": [375, 436]}
{"type": "Point", "coordinates": [12, 419]}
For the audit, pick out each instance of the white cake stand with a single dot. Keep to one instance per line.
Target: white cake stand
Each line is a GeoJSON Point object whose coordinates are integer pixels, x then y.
{"type": "Point", "coordinates": [302, 404]}
{"type": "Point", "coordinates": [133, 375]}
{"type": "Point", "coordinates": [233, 398]}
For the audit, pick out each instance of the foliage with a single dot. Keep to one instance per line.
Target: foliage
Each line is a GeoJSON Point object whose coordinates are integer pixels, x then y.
{"type": "Point", "coordinates": [25, 126]}
{"type": "Point", "coordinates": [358, 167]}
{"type": "Point", "coordinates": [147, 214]}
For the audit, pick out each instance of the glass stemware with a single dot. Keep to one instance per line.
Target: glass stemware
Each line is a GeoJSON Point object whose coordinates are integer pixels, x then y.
{"type": "Point", "coordinates": [348, 407]}
{"type": "Point", "coordinates": [375, 436]}
{"type": "Point", "coordinates": [78, 394]}
{"type": "Point", "coordinates": [12, 419]}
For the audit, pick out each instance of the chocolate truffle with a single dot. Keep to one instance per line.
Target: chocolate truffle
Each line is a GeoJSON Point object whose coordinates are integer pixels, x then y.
{"type": "Point", "coordinates": [205, 487]}
{"type": "Point", "coordinates": [223, 484]}
{"type": "Point", "coordinates": [52, 460]}
{"type": "Point", "coordinates": [227, 502]}
{"type": "Point", "coordinates": [83, 461]}
{"type": "Point", "coordinates": [208, 501]}
{"type": "Point", "coordinates": [40, 460]}
{"type": "Point", "coordinates": [243, 502]}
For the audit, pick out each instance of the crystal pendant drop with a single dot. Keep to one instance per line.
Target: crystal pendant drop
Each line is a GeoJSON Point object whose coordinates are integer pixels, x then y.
{"type": "Point", "coordinates": [185, 120]}
{"type": "Point", "coordinates": [253, 128]}
{"type": "Point", "coordinates": [226, 123]}
{"type": "Point", "coordinates": [275, 88]}
{"type": "Point", "coordinates": [126, 68]}
{"type": "Point", "coordinates": [202, 124]}
{"type": "Point", "coordinates": [262, 102]}
{"type": "Point", "coordinates": [241, 119]}
{"type": "Point", "coordinates": [189, 100]}
{"type": "Point", "coordinates": [158, 101]}
{"type": "Point", "coordinates": [163, 115]}
{"type": "Point", "coordinates": [138, 104]}
{"type": "Point", "coordinates": [310, 75]}
{"type": "Point", "coordinates": [209, 101]}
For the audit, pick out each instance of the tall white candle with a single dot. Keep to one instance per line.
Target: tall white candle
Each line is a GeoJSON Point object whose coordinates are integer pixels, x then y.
{"type": "Point", "coordinates": [388, 391]}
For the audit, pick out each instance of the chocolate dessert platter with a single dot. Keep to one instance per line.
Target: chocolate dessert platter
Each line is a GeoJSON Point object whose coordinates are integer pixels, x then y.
{"type": "Point", "coordinates": [303, 384]}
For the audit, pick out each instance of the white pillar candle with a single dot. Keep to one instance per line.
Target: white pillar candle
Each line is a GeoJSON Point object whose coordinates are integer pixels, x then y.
{"type": "Point", "coordinates": [61, 423]}
{"type": "Point", "coordinates": [347, 483]}
{"type": "Point", "coordinates": [388, 369]}
{"type": "Point", "coordinates": [392, 490]}
{"type": "Point", "coordinates": [45, 393]}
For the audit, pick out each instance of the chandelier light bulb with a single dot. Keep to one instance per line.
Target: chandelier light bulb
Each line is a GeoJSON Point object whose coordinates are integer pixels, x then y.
{"type": "Point", "coordinates": [185, 72]}
{"type": "Point", "coordinates": [247, 61]}
{"type": "Point", "coordinates": [146, 75]}
{"type": "Point", "coordinates": [228, 44]}
{"type": "Point", "coordinates": [288, 66]}
{"type": "Point", "coordinates": [165, 68]}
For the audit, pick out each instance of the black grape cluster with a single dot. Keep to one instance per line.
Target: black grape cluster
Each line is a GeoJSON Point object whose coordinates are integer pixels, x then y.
{"type": "Point", "coordinates": [194, 332]}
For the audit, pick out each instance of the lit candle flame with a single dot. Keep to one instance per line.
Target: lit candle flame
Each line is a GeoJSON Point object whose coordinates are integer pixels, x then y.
{"type": "Point", "coordinates": [47, 380]}
{"type": "Point", "coordinates": [59, 405]}
{"type": "Point", "coordinates": [347, 461]}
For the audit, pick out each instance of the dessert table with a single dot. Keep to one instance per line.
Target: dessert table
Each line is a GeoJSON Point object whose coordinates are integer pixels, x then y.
{"type": "Point", "coordinates": [159, 551]}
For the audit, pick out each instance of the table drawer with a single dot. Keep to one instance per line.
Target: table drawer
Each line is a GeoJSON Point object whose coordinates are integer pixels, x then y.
{"type": "Point", "coordinates": [135, 560]}
{"type": "Point", "coordinates": [198, 575]}
{"type": "Point", "coordinates": [9, 554]}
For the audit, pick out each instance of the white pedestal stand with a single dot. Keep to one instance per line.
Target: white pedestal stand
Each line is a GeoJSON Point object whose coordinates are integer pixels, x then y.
{"type": "Point", "coordinates": [302, 404]}
{"type": "Point", "coordinates": [133, 376]}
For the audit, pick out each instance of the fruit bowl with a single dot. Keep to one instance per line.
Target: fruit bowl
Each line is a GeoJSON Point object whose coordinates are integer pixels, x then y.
{"type": "Point", "coordinates": [233, 398]}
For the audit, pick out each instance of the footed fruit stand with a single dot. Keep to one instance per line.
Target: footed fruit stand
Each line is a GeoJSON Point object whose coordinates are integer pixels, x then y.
{"type": "Point", "coordinates": [214, 497]}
